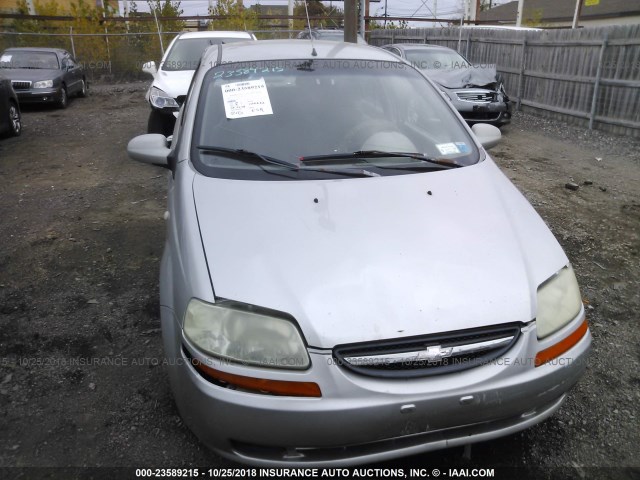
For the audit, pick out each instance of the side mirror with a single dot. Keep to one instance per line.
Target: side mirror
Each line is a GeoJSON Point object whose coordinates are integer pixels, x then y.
{"type": "Point", "coordinates": [150, 148]}
{"type": "Point", "coordinates": [488, 135]}
{"type": "Point", "coordinates": [150, 68]}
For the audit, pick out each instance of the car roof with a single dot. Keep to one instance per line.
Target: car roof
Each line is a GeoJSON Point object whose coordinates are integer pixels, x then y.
{"type": "Point", "coordinates": [425, 46]}
{"type": "Point", "coordinates": [216, 34]}
{"type": "Point", "coordinates": [295, 49]}
{"type": "Point", "coordinates": [58, 51]}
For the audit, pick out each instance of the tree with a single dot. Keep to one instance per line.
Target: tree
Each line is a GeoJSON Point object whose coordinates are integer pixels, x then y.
{"type": "Point", "coordinates": [316, 9]}
{"type": "Point", "coordinates": [240, 18]}
{"type": "Point", "coordinates": [167, 8]}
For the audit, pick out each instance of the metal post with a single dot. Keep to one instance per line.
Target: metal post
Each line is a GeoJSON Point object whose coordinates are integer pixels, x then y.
{"type": "Point", "coordinates": [576, 14]}
{"type": "Point", "coordinates": [290, 13]}
{"type": "Point", "coordinates": [106, 36]}
{"type": "Point", "coordinates": [521, 77]}
{"type": "Point", "coordinates": [159, 34]}
{"type": "Point", "coordinates": [596, 86]}
{"type": "Point", "coordinates": [460, 35]}
{"type": "Point", "coordinates": [519, 17]}
{"type": "Point", "coordinates": [73, 47]}
{"type": "Point", "coordinates": [466, 50]}
{"type": "Point", "coordinates": [362, 7]}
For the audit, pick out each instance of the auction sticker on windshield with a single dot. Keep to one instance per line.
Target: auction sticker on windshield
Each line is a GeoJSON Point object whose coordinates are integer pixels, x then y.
{"type": "Point", "coordinates": [246, 99]}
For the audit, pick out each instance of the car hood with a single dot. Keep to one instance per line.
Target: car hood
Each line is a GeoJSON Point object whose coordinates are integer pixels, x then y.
{"type": "Point", "coordinates": [476, 76]}
{"type": "Point", "coordinates": [174, 83]}
{"type": "Point", "coordinates": [378, 258]}
{"type": "Point", "coordinates": [31, 74]}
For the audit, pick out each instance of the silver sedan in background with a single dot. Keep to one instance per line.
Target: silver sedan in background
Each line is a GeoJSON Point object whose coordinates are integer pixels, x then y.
{"type": "Point", "coordinates": [477, 91]}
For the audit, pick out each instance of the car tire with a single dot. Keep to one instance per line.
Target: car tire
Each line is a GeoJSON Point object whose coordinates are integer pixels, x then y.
{"type": "Point", "coordinates": [63, 99]}
{"type": "Point", "coordinates": [15, 120]}
{"type": "Point", "coordinates": [83, 89]}
{"type": "Point", "coordinates": [160, 123]}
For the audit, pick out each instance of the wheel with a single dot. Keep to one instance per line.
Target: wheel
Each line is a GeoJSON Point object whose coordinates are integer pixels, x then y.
{"type": "Point", "coordinates": [63, 101]}
{"type": "Point", "coordinates": [161, 123]}
{"type": "Point", "coordinates": [15, 123]}
{"type": "Point", "coordinates": [83, 90]}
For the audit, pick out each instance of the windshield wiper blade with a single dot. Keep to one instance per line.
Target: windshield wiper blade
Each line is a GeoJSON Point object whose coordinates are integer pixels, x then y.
{"type": "Point", "coordinates": [364, 154]}
{"type": "Point", "coordinates": [241, 154]}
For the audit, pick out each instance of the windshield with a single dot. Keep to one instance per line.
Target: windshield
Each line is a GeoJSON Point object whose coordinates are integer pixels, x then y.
{"type": "Point", "coordinates": [34, 60]}
{"type": "Point", "coordinates": [186, 52]}
{"type": "Point", "coordinates": [324, 108]}
{"type": "Point", "coordinates": [434, 59]}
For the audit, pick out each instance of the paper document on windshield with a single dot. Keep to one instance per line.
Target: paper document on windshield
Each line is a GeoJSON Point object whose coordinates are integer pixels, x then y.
{"type": "Point", "coordinates": [246, 99]}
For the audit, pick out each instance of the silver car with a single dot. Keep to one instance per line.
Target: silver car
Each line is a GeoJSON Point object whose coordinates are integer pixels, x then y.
{"type": "Point", "coordinates": [349, 277]}
{"type": "Point", "coordinates": [477, 91]}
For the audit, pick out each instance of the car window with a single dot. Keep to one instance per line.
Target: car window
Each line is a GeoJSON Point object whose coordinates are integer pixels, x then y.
{"type": "Point", "coordinates": [434, 59]}
{"type": "Point", "coordinates": [294, 109]}
{"type": "Point", "coordinates": [29, 59]}
{"type": "Point", "coordinates": [186, 52]}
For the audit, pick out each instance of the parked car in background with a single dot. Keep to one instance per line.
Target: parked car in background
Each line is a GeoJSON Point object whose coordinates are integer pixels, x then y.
{"type": "Point", "coordinates": [43, 75]}
{"type": "Point", "coordinates": [332, 35]}
{"type": "Point", "coordinates": [172, 78]}
{"type": "Point", "coordinates": [348, 277]}
{"type": "Point", "coordinates": [10, 121]}
{"type": "Point", "coordinates": [477, 91]}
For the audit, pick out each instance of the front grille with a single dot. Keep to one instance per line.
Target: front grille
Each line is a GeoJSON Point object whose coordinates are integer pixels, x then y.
{"type": "Point", "coordinates": [21, 84]}
{"type": "Point", "coordinates": [477, 96]}
{"type": "Point", "coordinates": [428, 355]}
{"type": "Point", "coordinates": [485, 116]}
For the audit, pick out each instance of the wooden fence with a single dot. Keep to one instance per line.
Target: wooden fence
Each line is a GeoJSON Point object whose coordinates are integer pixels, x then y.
{"type": "Point", "coordinates": [589, 76]}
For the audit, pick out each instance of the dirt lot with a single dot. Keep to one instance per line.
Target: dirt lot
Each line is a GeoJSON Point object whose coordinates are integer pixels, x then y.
{"type": "Point", "coordinates": [81, 380]}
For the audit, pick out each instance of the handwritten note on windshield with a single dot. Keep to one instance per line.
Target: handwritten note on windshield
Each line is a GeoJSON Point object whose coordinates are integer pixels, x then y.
{"type": "Point", "coordinates": [246, 99]}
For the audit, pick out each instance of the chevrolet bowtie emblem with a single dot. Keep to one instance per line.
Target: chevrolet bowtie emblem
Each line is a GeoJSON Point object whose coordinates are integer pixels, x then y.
{"type": "Point", "coordinates": [435, 353]}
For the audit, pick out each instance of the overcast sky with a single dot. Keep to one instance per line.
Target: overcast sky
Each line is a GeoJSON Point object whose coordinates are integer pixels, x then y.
{"type": "Point", "coordinates": [395, 8]}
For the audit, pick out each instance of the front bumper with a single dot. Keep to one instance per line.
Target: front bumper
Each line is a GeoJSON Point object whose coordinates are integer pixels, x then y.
{"type": "Point", "coordinates": [38, 95]}
{"type": "Point", "coordinates": [491, 106]}
{"type": "Point", "coordinates": [361, 419]}
{"type": "Point", "coordinates": [493, 112]}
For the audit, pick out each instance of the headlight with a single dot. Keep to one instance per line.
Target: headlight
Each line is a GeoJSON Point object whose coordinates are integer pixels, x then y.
{"type": "Point", "coordinates": [559, 302]}
{"type": "Point", "coordinates": [43, 84]}
{"type": "Point", "coordinates": [159, 99]}
{"type": "Point", "coordinates": [245, 334]}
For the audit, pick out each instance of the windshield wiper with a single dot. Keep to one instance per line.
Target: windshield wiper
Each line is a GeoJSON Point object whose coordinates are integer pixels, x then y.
{"type": "Point", "coordinates": [365, 154]}
{"type": "Point", "coordinates": [241, 154]}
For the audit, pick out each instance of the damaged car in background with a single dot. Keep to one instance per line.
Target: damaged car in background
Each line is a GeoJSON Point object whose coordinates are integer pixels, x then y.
{"type": "Point", "coordinates": [477, 91]}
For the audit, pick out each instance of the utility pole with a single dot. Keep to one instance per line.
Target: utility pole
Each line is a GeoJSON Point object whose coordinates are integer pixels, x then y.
{"type": "Point", "coordinates": [350, 21]}
{"type": "Point", "coordinates": [520, 9]}
{"type": "Point", "coordinates": [385, 13]}
{"type": "Point", "coordinates": [576, 15]}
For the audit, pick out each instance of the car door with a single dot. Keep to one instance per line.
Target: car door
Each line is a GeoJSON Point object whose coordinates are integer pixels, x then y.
{"type": "Point", "coordinates": [72, 74]}
{"type": "Point", "coordinates": [4, 104]}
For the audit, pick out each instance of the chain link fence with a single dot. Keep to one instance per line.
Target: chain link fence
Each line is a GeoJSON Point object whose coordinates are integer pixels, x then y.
{"type": "Point", "coordinates": [112, 57]}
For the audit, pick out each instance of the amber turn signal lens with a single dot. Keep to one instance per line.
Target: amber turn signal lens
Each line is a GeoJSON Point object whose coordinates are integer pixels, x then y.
{"type": "Point", "coordinates": [261, 385]}
{"type": "Point", "coordinates": [562, 346]}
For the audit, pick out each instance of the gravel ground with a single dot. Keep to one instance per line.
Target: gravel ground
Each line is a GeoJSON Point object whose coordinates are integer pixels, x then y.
{"type": "Point", "coordinates": [82, 234]}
